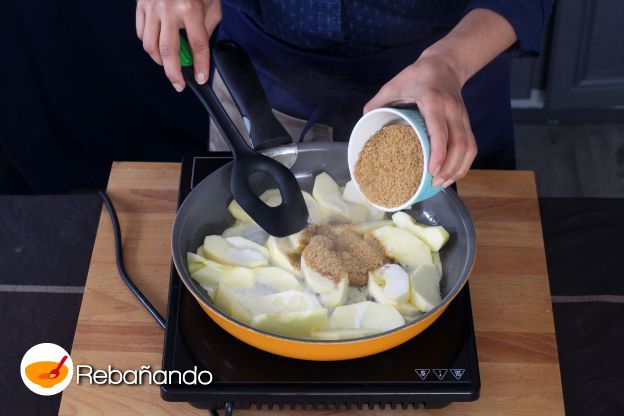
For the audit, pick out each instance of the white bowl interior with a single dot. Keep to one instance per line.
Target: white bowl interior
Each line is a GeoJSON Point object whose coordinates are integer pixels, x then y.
{"type": "Point", "coordinates": [368, 125]}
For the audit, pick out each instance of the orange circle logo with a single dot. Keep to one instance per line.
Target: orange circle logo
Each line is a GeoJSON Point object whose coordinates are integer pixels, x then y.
{"type": "Point", "coordinates": [46, 369]}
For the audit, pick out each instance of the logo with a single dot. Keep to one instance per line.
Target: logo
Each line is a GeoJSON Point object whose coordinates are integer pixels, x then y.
{"type": "Point", "coordinates": [46, 369]}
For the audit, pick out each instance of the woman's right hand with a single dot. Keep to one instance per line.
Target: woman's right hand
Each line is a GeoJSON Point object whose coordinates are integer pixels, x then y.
{"type": "Point", "coordinates": [158, 23]}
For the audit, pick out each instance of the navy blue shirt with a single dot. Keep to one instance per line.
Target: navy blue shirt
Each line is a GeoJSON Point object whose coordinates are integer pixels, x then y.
{"type": "Point", "coordinates": [358, 27]}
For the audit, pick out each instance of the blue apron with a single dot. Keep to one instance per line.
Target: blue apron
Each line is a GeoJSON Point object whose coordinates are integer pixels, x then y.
{"type": "Point", "coordinates": [333, 90]}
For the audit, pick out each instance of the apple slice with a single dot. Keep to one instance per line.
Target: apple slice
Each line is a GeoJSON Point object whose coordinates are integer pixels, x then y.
{"type": "Point", "coordinates": [245, 244]}
{"type": "Point", "coordinates": [352, 194]}
{"type": "Point", "coordinates": [408, 310]}
{"type": "Point", "coordinates": [403, 246]}
{"type": "Point", "coordinates": [239, 213]}
{"type": "Point", "coordinates": [276, 278]}
{"type": "Point", "coordinates": [281, 253]}
{"type": "Point", "coordinates": [338, 334]}
{"type": "Point", "coordinates": [291, 324]}
{"type": "Point", "coordinates": [437, 262]}
{"type": "Point", "coordinates": [271, 197]}
{"type": "Point", "coordinates": [324, 186]}
{"type": "Point", "coordinates": [195, 261]}
{"type": "Point", "coordinates": [220, 250]}
{"type": "Point", "coordinates": [318, 282]}
{"type": "Point", "coordinates": [295, 240]}
{"type": "Point", "coordinates": [251, 231]}
{"type": "Point", "coordinates": [317, 214]}
{"type": "Point", "coordinates": [355, 213]}
{"type": "Point", "coordinates": [287, 301]}
{"type": "Point", "coordinates": [389, 284]}
{"type": "Point", "coordinates": [425, 282]}
{"type": "Point", "coordinates": [213, 273]}
{"type": "Point", "coordinates": [332, 294]}
{"type": "Point", "coordinates": [227, 299]}
{"type": "Point", "coordinates": [365, 315]}
{"type": "Point", "coordinates": [366, 227]}
{"type": "Point", "coordinates": [434, 236]}
{"type": "Point", "coordinates": [337, 297]}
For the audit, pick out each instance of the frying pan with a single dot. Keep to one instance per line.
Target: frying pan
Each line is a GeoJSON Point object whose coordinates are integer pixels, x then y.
{"type": "Point", "coordinates": [204, 212]}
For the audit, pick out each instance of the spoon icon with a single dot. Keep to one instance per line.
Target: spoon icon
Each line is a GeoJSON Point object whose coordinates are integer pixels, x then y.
{"type": "Point", "coordinates": [54, 373]}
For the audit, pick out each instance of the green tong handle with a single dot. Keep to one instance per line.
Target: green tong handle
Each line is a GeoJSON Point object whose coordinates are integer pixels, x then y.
{"type": "Point", "coordinates": [186, 56]}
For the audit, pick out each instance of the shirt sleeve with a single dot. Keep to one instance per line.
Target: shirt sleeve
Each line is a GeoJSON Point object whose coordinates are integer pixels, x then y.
{"type": "Point", "coordinates": [527, 17]}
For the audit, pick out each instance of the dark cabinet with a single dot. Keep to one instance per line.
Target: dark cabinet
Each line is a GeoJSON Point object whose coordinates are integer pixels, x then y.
{"type": "Point", "coordinates": [587, 55]}
{"type": "Point", "coordinates": [583, 60]}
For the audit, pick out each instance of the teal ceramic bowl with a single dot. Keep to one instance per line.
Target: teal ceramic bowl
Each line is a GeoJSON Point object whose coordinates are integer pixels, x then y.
{"type": "Point", "coordinates": [372, 122]}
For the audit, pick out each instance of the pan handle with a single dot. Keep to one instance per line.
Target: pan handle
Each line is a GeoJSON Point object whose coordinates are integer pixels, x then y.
{"type": "Point", "coordinates": [241, 80]}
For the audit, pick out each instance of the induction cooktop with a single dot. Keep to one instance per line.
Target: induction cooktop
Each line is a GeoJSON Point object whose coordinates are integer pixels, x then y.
{"type": "Point", "coordinates": [434, 369]}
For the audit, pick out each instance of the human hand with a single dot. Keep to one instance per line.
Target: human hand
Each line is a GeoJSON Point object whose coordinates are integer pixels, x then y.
{"type": "Point", "coordinates": [433, 84]}
{"type": "Point", "coordinates": [158, 23]}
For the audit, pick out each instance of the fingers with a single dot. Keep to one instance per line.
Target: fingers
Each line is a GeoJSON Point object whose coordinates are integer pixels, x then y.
{"type": "Point", "coordinates": [386, 95]}
{"type": "Point", "coordinates": [169, 49]}
{"type": "Point", "coordinates": [198, 40]}
{"type": "Point", "coordinates": [471, 153]}
{"type": "Point", "coordinates": [140, 20]}
{"type": "Point", "coordinates": [438, 137]}
{"type": "Point", "coordinates": [461, 147]}
{"type": "Point", "coordinates": [212, 17]}
{"type": "Point", "coordinates": [151, 35]}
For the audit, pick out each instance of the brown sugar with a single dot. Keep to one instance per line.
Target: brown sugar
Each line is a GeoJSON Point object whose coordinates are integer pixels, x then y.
{"type": "Point", "coordinates": [390, 166]}
{"type": "Point", "coordinates": [338, 250]}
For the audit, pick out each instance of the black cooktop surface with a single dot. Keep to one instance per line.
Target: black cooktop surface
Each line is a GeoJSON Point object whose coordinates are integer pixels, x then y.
{"type": "Point", "coordinates": [435, 368]}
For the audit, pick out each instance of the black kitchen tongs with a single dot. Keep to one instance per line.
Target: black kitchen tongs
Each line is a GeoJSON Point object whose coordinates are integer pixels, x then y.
{"type": "Point", "coordinates": [233, 64]}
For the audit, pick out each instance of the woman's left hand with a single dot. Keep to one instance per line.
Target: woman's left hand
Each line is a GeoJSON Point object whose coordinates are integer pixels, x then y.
{"type": "Point", "coordinates": [435, 86]}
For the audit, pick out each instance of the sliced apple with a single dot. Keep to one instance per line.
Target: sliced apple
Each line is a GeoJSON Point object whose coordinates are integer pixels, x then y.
{"type": "Point", "coordinates": [318, 282]}
{"type": "Point", "coordinates": [403, 246]}
{"type": "Point", "coordinates": [295, 240]}
{"type": "Point", "coordinates": [291, 324]}
{"type": "Point", "coordinates": [227, 299]}
{"type": "Point", "coordinates": [337, 334]}
{"type": "Point", "coordinates": [389, 284]}
{"type": "Point", "coordinates": [251, 231]}
{"type": "Point", "coordinates": [355, 213]}
{"type": "Point", "coordinates": [220, 250]}
{"type": "Point", "coordinates": [200, 251]}
{"type": "Point", "coordinates": [243, 243]}
{"type": "Point", "coordinates": [425, 282]}
{"type": "Point", "coordinates": [287, 301]}
{"type": "Point", "coordinates": [366, 227]}
{"type": "Point", "coordinates": [324, 186]}
{"type": "Point", "coordinates": [337, 297]}
{"type": "Point", "coordinates": [276, 278]}
{"type": "Point", "coordinates": [317, 214]}
{"type": "Point", "coordinates": [271, 197]}
{"type": "Point", "coordinates": [281, 251]}
{"type": "Point", "coordinates": [408, 310]}
{"type": "Point", "coordinates": [437, 262]}
{"type": "Point", "coordinates": [352, 194]}
{"type": "Point", "coordinates": [213, 273]}
{"type": "Point", "coordinates": [365, 315]}
{"type": "Point", "coordinates": [434, 236]}
{"type": "Point", "coordinates": [239, 213]}
{"type": "Point", "coordinates": [195, 261]}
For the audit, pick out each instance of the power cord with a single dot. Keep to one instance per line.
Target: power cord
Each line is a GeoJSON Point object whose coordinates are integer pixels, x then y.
{"type": "Point", "coordinates": [228, 410]}
{"type": "Point", "coordinates": [120, 264]}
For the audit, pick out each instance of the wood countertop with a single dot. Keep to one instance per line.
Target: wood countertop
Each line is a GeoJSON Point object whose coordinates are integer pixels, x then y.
{"type": "Point", "coordinates": [509, 289]}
